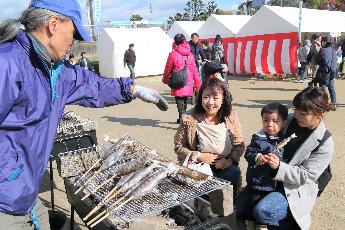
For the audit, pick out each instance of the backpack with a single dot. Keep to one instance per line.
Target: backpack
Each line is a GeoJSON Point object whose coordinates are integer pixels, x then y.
{"type": "Point", "coordinates": [178, 79]}
{"type": "Point", "coordinates": [326, 176]}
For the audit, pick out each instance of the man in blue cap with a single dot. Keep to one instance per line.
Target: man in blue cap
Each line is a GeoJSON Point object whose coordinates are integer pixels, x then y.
{"type": "Point", "coordinates": [35, 86]}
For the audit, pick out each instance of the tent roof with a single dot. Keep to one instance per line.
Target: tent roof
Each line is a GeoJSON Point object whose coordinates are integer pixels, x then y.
{"type": "Point", "coordinates": [225, 25]}
{"type": "Point", "coordinates": [185, 27]}
{"type": "Point", "coordinates": [276, 19]}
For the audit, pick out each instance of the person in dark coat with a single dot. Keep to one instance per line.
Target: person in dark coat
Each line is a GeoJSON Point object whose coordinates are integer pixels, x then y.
{"type": "Point", "coordinates": [327, 61]}
{"type": "Point", "coordinates": [196, 50]}
{"type": "Point", "coordinates": [84, 62]}
{"type": "Point", "coordinates": [129, 59]}
{"type": "Point", "coordinates": [274, 118]}
{"type": "Point", "coordinates": [207, 50]}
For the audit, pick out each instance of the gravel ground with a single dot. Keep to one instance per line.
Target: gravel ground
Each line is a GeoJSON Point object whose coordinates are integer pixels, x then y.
{"type": "Point", "coordinates": [156, 129]}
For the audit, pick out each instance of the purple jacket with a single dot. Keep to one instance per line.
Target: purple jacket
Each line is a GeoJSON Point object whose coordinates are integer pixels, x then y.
{"type": "Point", "coordinates": [29, 116]}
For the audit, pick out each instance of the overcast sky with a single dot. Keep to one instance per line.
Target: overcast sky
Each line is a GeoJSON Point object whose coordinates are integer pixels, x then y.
{"type": "Point", "coordinates": [119, 9]}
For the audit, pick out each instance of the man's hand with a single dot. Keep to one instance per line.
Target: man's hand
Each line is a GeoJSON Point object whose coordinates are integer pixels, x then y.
{"type": "Point", "coordinates": [150, 96]}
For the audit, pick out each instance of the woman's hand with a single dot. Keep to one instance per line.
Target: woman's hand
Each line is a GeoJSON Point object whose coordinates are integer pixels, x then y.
{"type": "Point", "coordinates": [272, 160]}
{"type": "Point", "coordinates": [223, 163]}
{"type": "Point", "coordinates": [208, 158]}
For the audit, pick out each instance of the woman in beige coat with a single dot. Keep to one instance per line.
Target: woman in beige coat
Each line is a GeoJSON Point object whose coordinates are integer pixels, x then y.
{"type": "Point", "coordinates": [210, 136]}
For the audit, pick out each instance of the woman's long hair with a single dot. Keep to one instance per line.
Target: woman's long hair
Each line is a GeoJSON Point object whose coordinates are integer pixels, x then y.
{"type": "Point", "coordinates": [215, 84]}
{"type": "Point", "coordinates": [31, 19]}
{"type": "Point", "coordinates": [313, 99]}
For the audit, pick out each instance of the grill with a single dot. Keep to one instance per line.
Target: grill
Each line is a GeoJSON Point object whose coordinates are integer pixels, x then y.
{"type": "Point", "coordinates": [171, 191]}
{"type": "Point", "coordinates": [72, 123]}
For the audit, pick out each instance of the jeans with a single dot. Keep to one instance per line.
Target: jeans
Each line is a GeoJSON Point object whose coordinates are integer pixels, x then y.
{"type": "Point", "coordinates": [331, 91]}
{"type": "Point", "coordinates": [181, 103]}
{"type": "Point", "coordinates": [304, 71]}
{"type": "Point", "coordinates": [131, 69]}
{"type": "Point", "coordinates": [272, 209]}
{"type": "Point", "coordinates": [232, 174]}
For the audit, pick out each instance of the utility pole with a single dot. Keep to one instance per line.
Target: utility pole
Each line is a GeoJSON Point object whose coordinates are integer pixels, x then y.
{"type": "Point", "coordinates": [91, 20]}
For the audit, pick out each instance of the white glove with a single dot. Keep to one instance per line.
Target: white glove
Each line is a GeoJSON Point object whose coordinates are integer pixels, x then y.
{"type": "Point", "coordinates": [150, 96]}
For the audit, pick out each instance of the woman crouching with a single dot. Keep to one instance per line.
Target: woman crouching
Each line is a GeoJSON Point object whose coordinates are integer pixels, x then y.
{"type": "Point", "coordinates": [209, 138]}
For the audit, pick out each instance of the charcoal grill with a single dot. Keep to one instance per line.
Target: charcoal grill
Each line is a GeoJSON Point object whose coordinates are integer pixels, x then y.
{"type": "Point", "coordinates": [170, 192]}
{"type": "Point", "coordinates": [74, 132]}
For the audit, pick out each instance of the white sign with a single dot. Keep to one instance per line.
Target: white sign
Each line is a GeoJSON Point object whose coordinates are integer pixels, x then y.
{"type": "Point", "coordinates": [98, 9]}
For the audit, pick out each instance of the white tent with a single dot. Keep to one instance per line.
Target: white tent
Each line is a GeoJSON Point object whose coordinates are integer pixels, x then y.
{"type": "Point", "coordinates": [276, 19]}
{"type": "Point", "coordinates": [185, 27]}
{"type": "Point", "coordinates": [151, 45]}
{"type": "Point", "coordinates": [224, 25]}
{"type": "Point", "coordinates": [268, 43]}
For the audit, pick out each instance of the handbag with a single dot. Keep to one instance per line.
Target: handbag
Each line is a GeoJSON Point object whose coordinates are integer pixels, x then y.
{"type": "Point", "coordinates": [178, 79]}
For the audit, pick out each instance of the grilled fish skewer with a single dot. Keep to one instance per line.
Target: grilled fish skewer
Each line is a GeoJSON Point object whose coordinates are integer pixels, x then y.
{"type": "Point", "coordinates": [109, 161]}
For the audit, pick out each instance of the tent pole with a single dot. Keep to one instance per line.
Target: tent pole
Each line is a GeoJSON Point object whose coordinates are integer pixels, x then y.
{"type": "Point", "coordinates": [300, 23]}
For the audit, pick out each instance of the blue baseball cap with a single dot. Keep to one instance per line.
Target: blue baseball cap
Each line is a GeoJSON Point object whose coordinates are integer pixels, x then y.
{"type": "Point", "coordinates": [69, 8]}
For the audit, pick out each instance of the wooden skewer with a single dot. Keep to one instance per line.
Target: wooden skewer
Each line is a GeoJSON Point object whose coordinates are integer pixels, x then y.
{"type": "Point", "coordinates": [105, 216]}
{"type": "Point", "coordinates": [121, 205]}
{"type": "Point", "coordinates": [98, 187]}
{"type": "Point", "coordinates": [118, 201]}
{"type": "Point", "coordinates": [86, 182]}
{"type": "Point", "coordinates": [94, 224]}
{"type": "Point", "coordinates": [100, 204]}
{"type": "Point", "coordinates": [96, 217]}
{"type": "Point", "coordinates": [94, 165]}
{"type": "Point", "coordinates": [114, 195]}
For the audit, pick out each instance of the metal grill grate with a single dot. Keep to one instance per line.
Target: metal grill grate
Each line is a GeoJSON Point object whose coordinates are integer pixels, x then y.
{"type": "Point", "coordinates": [71, 123]}
{"type": "Point", "coordinates": [169, 192]}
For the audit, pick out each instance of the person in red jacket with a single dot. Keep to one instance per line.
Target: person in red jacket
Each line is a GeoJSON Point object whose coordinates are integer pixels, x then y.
{"type": "Point", "coordinates": [176, 61]}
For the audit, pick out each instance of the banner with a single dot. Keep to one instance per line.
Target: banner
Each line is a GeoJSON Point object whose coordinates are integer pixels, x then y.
{"type": "Point", "coordinates": [98, 9]}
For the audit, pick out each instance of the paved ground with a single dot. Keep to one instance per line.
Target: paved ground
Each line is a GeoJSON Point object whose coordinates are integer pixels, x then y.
{"type": "Point", "coordinates": [156, 129]}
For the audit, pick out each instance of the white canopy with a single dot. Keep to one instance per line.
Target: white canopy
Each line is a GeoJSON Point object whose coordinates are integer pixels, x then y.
{"type": "Point", "coordinates": [276, 19]}
{"type": "Point", "coordinates": [185, 27]}
{"type": "Point", "coordinates": [151, 45]}
{"type": "Point", "coordinates": [224, 25]}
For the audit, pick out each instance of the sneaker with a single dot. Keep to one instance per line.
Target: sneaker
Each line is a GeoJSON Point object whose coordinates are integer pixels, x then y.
{"type": "Point", "coordinates": [261, 227]}
{"type": "Point", "coordinates": [334, 107]}
{"type": "Point", "coordinates": [300, 81]}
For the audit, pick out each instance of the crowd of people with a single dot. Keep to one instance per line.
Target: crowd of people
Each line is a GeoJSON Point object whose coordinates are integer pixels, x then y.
{"type": "Point", "coordinates": [282, 184]}
{"type": "Point", "coordinates": [325, 60]}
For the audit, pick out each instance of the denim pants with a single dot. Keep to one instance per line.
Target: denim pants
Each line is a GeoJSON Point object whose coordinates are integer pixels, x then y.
{"type": "Point", "coordinates": [272, 209]}
{"type": "Point", "coordinates": [232, 174]}
{"type": "Point", "coordinates": [304, 70]}
{"type": "Point", "coordinates": [331, 91]}
{"type": "Point", "coordinates": [131, 69]}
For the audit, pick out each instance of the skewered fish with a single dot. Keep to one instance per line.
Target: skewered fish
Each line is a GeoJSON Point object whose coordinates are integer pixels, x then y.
{"type": "Point", "coordinates": [137, 177]}
{"type": "Point", "coordinates": [195, 175]}
{"type": "Point", "coordinates": [132, 166]}
{"type": "Point", "coordinates": [284, 142]}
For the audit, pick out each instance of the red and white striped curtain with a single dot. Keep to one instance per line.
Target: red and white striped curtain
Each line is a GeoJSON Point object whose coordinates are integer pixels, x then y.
{"type": "Point", "coordinates": [268, 54]}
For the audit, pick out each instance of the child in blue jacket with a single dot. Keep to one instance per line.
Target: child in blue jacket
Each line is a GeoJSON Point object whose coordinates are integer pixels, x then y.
{"type": "Point", "coordinates": [259, 174]}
